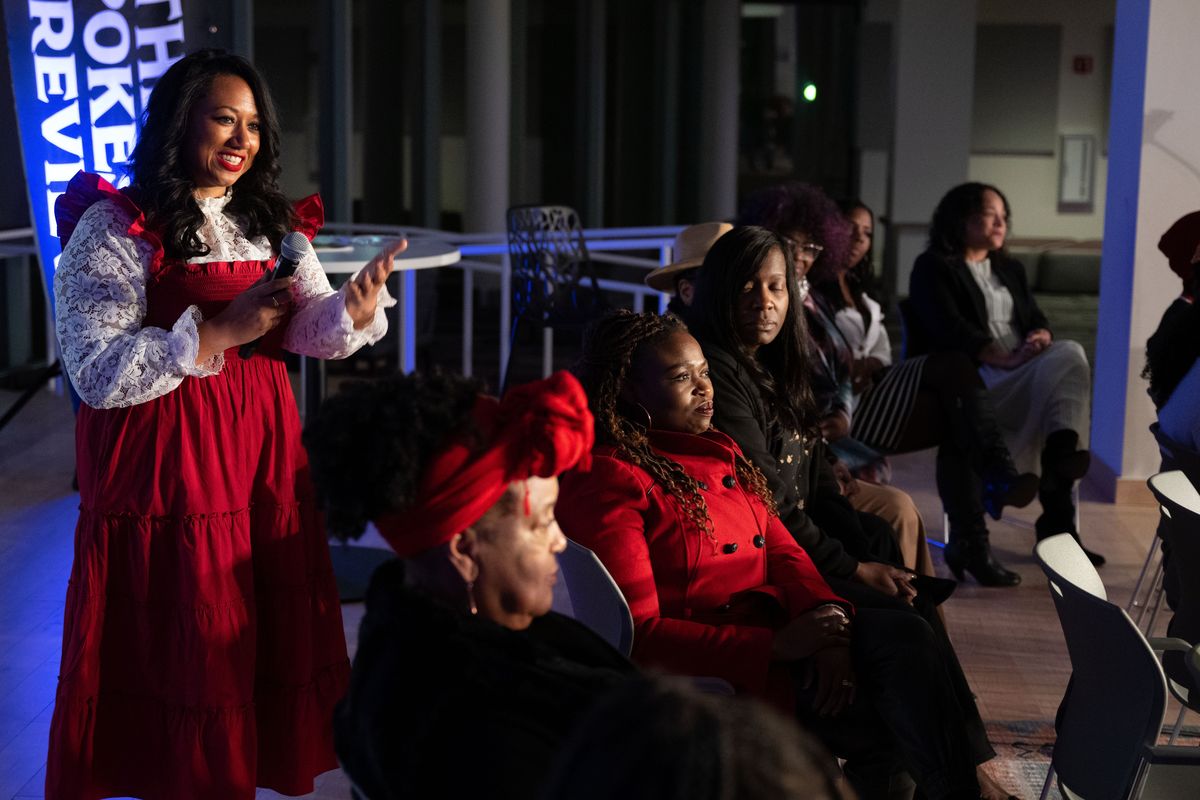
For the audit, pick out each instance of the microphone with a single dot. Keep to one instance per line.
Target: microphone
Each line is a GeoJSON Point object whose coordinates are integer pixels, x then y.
{"type": "Point", "coordinates": [291, 250]}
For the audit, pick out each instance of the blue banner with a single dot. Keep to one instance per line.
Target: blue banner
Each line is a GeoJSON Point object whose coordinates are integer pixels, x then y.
{"type": "Point", "coordinates": [82, 72]}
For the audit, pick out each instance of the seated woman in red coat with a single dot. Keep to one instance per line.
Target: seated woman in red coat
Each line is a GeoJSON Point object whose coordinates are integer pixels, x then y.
{"type": "Point", "coordinates": [716, 584]}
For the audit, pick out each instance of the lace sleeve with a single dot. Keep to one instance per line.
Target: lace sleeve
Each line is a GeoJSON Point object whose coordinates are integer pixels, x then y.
{"type": "Point", "coordinates": [100, 297]}
{"type": "Point", "coordinates": [321, 326]}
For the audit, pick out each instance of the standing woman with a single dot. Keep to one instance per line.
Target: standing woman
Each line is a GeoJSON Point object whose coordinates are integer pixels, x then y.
{"type": "Point", "coordinates": [203, 650]}
{"type": "Point", "coordinates": [968, 295]}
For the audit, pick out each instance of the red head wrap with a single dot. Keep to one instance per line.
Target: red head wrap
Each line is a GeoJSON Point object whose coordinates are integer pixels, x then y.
{"type": "Point", "coordinates": [539, 429]}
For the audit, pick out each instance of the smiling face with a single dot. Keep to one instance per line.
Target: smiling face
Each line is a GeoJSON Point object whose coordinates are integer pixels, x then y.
{"type": "Point", "coordinates": [515, 554]}
{"type": "Point", "coordinates": [762, 306]}
{"type": "Point", "coordinates": [986, 230]}
{"type": "Point", "coordinates": [223, 136]}
{"type": "Point", "coordinates": [670, 380]}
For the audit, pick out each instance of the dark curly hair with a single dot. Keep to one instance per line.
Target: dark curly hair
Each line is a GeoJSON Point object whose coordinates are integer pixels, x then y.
{"type": "Point", "coordinates": [948, 230]}
{"type": "Point", "coordinates": [370, 442]}
{"type": "Point", "coordinates": [611, 347]}
{"type": "Point", "coordinates": [779, 369]}
{"type": "Point", "coordinates": [796, 207]}
{"type": "Point", "coordinates": [161, 184]}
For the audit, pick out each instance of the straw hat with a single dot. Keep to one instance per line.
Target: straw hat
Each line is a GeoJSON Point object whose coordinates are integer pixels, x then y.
{"type": "Point", "coordinates": [690, 248]}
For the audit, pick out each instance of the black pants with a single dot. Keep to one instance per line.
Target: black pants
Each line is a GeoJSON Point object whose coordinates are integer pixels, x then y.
{"type": "Point", "coordinates": [905, 713]}
{"type": "Point", "coordinates": [945, 378]}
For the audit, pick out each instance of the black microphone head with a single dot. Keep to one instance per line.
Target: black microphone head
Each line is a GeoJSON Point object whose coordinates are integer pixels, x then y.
{"type": "Point", "coordinates": [294, 246]}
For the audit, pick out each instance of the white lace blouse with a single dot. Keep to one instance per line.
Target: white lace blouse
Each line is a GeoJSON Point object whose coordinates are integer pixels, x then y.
{"type": "Point", "coordinates": [100, 297]}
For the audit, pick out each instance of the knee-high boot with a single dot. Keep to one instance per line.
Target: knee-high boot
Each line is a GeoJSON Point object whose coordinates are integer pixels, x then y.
{"type": "Point", "coordinates": [969, 549]}
{"type": "Point", "coordinates": [1062, 465]}
{"type": "Point", "coordinates": [1002, 484]}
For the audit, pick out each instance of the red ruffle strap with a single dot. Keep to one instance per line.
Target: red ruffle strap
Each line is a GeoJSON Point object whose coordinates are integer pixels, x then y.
{"type": "Point", "coordinates": [85, 190]}
{"type": "Point", "coordinates": [310, 215]}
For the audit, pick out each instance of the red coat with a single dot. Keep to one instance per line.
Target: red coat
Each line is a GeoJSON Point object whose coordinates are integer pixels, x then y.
{"type": "Point", "coordinates": [699, 607]}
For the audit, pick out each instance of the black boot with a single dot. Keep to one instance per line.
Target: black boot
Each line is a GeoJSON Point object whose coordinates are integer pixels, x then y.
{"type": "Point", "coordinates": [1062, 458]}
{"type": "Point", "coordinates": [1002, 484]}
{"type": "Point", "coordinates": [970, 551]}
{"type": "Point", "coordinates": [1062, 465]}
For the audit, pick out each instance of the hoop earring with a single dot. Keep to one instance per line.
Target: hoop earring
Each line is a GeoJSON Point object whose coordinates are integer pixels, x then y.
{"type": "Point", "coordinates": [649, 419]}
{"type": "Point", "coordinates": [471, 598]}
{"type": "Point", "coordinates": [634, 413]}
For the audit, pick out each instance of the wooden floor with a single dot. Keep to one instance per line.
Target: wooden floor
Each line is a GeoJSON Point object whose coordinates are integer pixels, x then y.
{"type": "Point", "coordinates": [1008, 639]}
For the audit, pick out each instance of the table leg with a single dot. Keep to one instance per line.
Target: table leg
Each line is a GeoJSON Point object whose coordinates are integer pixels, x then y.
{"type": "Point", "coordinates": [406, 327]}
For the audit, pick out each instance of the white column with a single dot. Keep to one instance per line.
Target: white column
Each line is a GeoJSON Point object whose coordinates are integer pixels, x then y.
{"type": "Point", "coordinates": [1153, 179]}
{"type": "Point", "coordinates": [489, 92]}
{"type": "Point", "coordinates": [934, 46]}
{"type": "Point", "coordinates": [719, 79]}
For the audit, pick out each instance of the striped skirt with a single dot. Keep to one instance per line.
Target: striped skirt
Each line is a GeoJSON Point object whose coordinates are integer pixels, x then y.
{"type": "Point", "coordinates": [882, 412]}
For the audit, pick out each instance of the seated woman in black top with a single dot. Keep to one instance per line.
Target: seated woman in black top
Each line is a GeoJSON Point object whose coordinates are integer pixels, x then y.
{"type": "Point", "coordinates": [1173, 352]}
{"type": "Point", "coordinates": [969, 296]}
{"type": "Point", "coordinates": [936, 400]}
{"type": "Point", "coordinates": [458, 649]}
{"type": "Point", "coordinates": [746, 316]}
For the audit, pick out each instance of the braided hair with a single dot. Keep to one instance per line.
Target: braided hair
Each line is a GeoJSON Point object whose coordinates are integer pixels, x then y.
{"type": "Point", "coordinates": [611, 346]}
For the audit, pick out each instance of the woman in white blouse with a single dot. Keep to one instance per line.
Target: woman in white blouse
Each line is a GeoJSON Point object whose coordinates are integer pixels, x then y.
{"type": "Point", "coordinates": [968, 296]}
{"type": "Point", "coordinates": [203, 650]}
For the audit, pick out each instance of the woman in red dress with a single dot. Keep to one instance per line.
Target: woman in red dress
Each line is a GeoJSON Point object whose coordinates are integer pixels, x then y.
{"type": "Point", "coordinates": [203, 650]}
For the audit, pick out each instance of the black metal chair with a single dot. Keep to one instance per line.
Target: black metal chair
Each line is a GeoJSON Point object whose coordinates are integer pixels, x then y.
{"type": "Point", "coordinates": [1111, 715]}
{"type": "Point", "coordinates": [553, 280]}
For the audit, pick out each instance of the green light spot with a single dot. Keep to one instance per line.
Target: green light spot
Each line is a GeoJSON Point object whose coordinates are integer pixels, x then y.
{"type": "Point", "coordinates": [810, 92]}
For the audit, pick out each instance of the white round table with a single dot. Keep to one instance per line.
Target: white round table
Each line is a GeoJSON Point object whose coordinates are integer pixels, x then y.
{"type": "Point", "coordinates": [353, 255]}
{"type": "Point", "coordinates": [421, 254]}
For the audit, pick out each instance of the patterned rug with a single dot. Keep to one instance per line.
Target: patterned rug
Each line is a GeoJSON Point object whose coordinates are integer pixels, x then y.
{"type": "Point", "coordinates": [1023, 752]}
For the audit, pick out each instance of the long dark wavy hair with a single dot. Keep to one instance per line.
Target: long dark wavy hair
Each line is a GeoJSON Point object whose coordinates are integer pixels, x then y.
{"type": "Point", "coordinates": [796, 207]}
{"type": "Point", "coordinates": [948, 230]}
{"type": "Point", "coordinates": [781, 368]}
{"type": "Point", "coordinates": [611, 346]}
{"type": "Point", "coordinates": [161, 184]}
{"type": "Point", "coordinates": [370, 442]}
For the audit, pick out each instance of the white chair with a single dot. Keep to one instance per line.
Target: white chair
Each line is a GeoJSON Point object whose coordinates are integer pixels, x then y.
{"type": "Point", "coordinates": [586, 591]}
{"type": "Point", "coordinates": [1111, 715]}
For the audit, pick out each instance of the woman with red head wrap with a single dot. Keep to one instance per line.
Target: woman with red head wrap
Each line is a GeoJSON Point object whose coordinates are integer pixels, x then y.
{"type": "Point", "coordinates": [458, 647]}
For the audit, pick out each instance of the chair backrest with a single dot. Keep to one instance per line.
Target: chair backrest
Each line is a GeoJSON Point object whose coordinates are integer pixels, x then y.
{"type": "Point", "coordinates": [1175, 455]}
{"type": "Point", "coordinates": [1180, 505]}
{"type": "Point", "coordinates": [1113, 710]}
{"type": "Point", "coordinates": [548, 257]}
{"type": "Point", "coordinates": [587, 592]}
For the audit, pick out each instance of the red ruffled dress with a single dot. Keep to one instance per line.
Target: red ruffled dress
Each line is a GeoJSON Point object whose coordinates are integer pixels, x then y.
{"type": "Point", "coordinates": [203, 650]}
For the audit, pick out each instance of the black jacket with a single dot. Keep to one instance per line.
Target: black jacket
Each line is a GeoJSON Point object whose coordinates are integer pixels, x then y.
{"type": "Point", "coordinates": [947, 307]}
{"type": "Point", "coordinates": [431, 684]}
{"type": "Point", "coordinates": [795, 470]}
